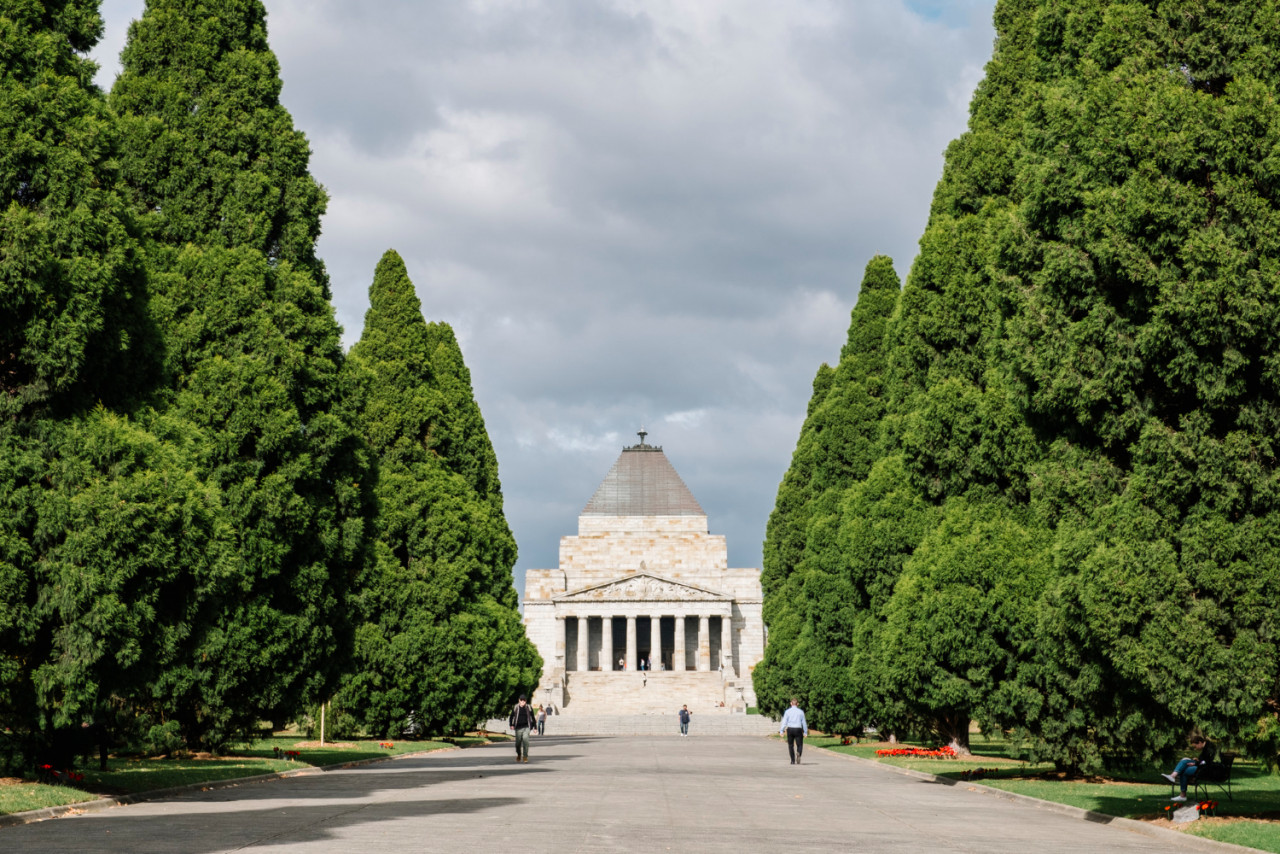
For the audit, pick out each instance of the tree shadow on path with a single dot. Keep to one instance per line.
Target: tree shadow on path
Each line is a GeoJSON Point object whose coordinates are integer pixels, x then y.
{"type": "Point", "coordinates": [289, 811]}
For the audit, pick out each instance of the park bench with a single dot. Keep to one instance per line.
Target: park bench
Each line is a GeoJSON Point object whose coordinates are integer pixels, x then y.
{"type": "Point", "coordinates": [1214, 774]}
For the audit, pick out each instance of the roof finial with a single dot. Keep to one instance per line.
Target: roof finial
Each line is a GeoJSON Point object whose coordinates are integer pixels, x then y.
{"type": "Point", "coordinates": [642, 434]}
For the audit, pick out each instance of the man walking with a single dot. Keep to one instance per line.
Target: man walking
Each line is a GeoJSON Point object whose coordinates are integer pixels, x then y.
{"type": "Point", "coordinates": [522, 720]}
{"type": "Point", "coordinates": [684, 721]}
{"type": "Point", "coordinates": [795, 727]}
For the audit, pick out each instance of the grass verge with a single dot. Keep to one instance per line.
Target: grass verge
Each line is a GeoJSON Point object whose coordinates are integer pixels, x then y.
{"type": "Point", "coordinates": [1251, 818]}
{"type": "Point", "coordinates": [129, 776]}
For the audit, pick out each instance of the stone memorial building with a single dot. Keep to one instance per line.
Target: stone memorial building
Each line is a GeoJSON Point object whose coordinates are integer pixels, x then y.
{"type": "Point", "coordinates": [643, 612]}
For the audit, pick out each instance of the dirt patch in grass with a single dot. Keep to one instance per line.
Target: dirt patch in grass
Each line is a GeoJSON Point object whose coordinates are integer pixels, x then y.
{"type": "Point", "coordinates": [335, 745]}
{"type": "Point", "coordinates": [10, 781]}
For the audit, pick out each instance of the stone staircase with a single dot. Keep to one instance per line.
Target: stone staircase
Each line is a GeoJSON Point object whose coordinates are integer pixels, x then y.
{"type": "Point", "coordinates": [655, 724]}
{"type": "Point", "coordinates": [648, 692]}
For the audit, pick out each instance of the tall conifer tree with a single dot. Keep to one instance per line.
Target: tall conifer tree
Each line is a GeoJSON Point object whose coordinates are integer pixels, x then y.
{"type": "Point", "coordinates": [109, 543]}
{"type": "Point", "coordinates": [809, 597]}
{"type": "Point", "coordinates": [230, 215]}
{"type": "Point", "coordinates": [439, 636]}
{"type": "Point", "coordinates": [1082, 366]}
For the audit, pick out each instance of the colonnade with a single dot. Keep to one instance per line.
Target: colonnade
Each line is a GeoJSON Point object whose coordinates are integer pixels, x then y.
{"type": "Point", "coordinates": [631, 656]}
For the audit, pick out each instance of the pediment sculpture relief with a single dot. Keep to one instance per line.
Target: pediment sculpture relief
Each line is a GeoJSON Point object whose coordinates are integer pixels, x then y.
{"type": "Point", "coordinates": [639, 588]}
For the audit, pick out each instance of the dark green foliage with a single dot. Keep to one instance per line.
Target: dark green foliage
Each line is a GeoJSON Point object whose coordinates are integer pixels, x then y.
{"type": "Point", "coordinates": [1082, 370]}
{"type": "Point", "coordinates": [110, 547]}
{"type": "Point", "coordinates": [212, 156]}
{"type": "Point", "coordinates": [809, 598]}
{"type": "Point", "coordinates": [439, 636]}
{"type": "Point", "coordinates": [252, 354]}
{"type": "Point", "coordinates": [71, 286]}
{"type": "Point", "coordinates": [1142, 330]}
{"type": "Point", "coordinates": [961, 619]}
{"type": "Point", "coordinates": [110, 543]}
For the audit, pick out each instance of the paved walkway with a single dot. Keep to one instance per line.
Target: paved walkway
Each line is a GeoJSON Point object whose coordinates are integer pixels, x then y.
{"type": "Point", "coordinates": [588, 794]}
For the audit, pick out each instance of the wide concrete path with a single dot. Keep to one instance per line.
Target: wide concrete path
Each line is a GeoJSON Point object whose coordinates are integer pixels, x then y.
{"type": "Point", "coordinates": [587, 794]}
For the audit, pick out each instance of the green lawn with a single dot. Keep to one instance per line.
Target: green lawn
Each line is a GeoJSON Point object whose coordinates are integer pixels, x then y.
{"type": "Point", "coordinates": [1251, 818]}
{"type": "Point", "coordinates": [130, 776]}
{"type": "Point", "coordinates": [34, 796]}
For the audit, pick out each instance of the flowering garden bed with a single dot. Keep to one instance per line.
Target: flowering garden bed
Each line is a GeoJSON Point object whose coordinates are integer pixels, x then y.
{"type": "Point", "coordinates": [944, 752]}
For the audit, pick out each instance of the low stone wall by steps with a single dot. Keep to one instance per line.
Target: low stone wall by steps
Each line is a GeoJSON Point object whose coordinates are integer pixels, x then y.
{"type": "Point", "coordinates": [663, 724]}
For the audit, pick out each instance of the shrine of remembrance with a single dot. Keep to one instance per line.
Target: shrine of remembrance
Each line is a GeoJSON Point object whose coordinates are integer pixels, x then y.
{"type": "Point", "coordinates": [644, 613]}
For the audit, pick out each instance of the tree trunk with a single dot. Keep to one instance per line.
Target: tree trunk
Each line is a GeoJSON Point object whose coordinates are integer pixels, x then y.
{"type": "Point", "coordinates": [955, 730]}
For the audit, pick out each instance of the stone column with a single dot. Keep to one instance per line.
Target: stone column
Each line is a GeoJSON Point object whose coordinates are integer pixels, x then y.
{"type": "Point", "coordinates": [607, 661]}
{"type": "Point", "coordinates": [631, 642]}
{"type": "Point", "coordinates": [677, 654]}
{"type": "Point", "coordinates": [584, 639]}
{"type": "Point", "coordinates": [655, 641]}
{"type": "Point", "coordinates": [562, 640]}
{"type": "Point", "coordinates": [726, 645]}
{"type": "Point", "coordinates": [704, 642]}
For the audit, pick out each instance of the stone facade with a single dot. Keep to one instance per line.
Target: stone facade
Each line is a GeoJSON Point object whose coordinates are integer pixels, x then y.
{"type": "Point", "coordinates": [644, 580]}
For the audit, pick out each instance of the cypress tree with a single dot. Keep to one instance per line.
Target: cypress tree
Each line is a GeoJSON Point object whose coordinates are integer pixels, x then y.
{"type": "Point", "coordinates": [1142, 331]}
{"type": "Point", "coordinates": [439, 636]}
{"type": "Point", "coordinates": [110, 545]}
{"type": "Point", "coordinates": [211, 154]}
{"type": "Point", "coordinates": [1081, 369]}
{"type": "Point", "coordinates": [230, 216]}
{"type": "Point", "coordinates": [808, 593]}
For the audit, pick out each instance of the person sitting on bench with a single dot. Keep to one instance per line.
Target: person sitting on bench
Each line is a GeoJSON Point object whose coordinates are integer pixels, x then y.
{"type": "Point", "coordinates": [1188, 768]}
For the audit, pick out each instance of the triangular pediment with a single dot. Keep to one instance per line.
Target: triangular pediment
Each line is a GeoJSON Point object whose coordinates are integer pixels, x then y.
{"type": "Point", "coordinates": [641, 587]}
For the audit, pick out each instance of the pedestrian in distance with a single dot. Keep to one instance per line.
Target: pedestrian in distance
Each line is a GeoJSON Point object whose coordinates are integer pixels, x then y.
{"type": "Point", "coordinates": [522, 720]}
{"type": "Point", "coordinates": [796, 728]}
{"type": "Point", "coordinates": [542, 720]}
{"type": "Point", "coordinates": [684, 714]}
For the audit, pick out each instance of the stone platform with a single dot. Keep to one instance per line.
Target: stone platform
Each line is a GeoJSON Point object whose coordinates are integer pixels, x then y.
{"type": "Point", "coordinates": [656, 724]}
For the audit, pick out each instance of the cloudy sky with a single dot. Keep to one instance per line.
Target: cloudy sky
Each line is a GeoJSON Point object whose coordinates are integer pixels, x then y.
{"type": "Point", "coordinates": [632, 213]}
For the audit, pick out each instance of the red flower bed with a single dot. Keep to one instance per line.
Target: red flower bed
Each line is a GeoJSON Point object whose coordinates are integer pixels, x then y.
{"type": "Point", "coordinates": [945, 752]}
{"type": "Point", "coordinates": [48, 774]}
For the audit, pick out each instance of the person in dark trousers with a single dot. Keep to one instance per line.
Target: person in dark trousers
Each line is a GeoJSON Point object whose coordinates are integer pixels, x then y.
{"type": "Point", "coordinates": [684, 714]}
{"type": "Point", "coordinates": [542, 720]}
{"type": "Point", "coordinates": [795, 727]}
{"type": "Point", "coordinates": [1188, 768]}
{"type": "Point", "coordinates": [522, 720]}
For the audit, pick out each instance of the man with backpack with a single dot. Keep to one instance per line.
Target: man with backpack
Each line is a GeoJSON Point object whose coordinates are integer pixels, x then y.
{"type": "Point", "coordinates": [684, 714]}
{"type": "Point", "coordinates": [522, 720]}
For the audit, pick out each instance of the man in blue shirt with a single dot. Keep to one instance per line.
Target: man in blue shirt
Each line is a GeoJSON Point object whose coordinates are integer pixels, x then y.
{"type": "Point", "coordinates": [794, 725]}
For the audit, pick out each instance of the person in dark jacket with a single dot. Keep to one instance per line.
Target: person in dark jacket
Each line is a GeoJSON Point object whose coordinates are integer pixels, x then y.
{"type": "Point", "coordinates": [522, 720]}
{"type": "Point", "coordinates": [1188, 768]}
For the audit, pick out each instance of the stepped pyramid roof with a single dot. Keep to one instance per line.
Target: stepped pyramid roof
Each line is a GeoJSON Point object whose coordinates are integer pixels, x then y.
{"type": "Point", "coordinates": [643, 483]}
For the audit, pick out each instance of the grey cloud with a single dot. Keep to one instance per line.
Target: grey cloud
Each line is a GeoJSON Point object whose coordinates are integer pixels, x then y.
{"type": "Point", "coordinates": [629, 211]}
